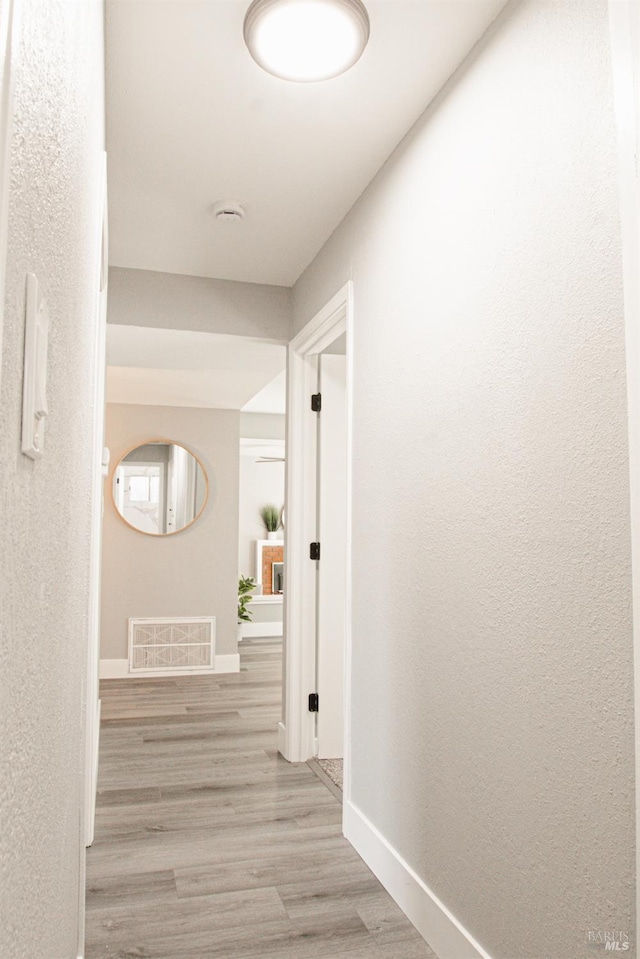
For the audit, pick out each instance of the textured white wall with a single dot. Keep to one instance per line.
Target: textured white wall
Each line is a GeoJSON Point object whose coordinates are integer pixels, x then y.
{"type": "Point", "coordinates": [44, 534]}
{"type": "Point", "coordinates": [492, 699]}
{"type": "Point", "coordinates": [194, 572]}
{"type": "Point", "coordinates": [176, 302]}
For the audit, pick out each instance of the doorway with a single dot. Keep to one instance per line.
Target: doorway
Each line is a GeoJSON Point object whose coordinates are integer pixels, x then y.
{"type": "Point", "coordinates": [318, 496]}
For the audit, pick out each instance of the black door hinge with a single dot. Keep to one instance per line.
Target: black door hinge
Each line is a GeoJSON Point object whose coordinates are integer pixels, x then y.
{"type": "Point", "coordinates": [314, 550]}
{"type": "Point", "coordinates": [313, 702]}
{"type": "Point", "coordinates": [316, 402]}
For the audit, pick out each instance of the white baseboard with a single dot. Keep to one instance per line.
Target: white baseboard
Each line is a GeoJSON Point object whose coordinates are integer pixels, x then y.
{"type": "Point", "coordinates": [90, 811]}
{"type": "Point", "coordinates": [254, 630]}
{"type": "Point", "coordinates": [445, 934]}
{"type": "Point", "coordinates": [228, 663]}
{"type": "Point", "coordinates": [282, 740]}
{"type": "Point", "coordinates": [114, 668]}
{"type": "Point", "coordinates": [119, 668]}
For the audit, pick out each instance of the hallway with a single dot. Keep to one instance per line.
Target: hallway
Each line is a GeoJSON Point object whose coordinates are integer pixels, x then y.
{"type": "Point", "coordinates": [208, 844]}
{"type": "Point", "coordinates": [464, 202]}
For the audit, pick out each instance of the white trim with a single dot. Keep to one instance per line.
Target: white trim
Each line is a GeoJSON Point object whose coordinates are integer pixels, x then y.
{"type": "Point", "coordinates": [346, 775]}
{"type": "Point", "coordinates": [95, 754]}
{"type": "Point", "coordinates": [169, 673]}
{"type": "Point", "coordinates": [624, 23]}
{"type": "Point", "coordinates": [114, 669]}
{"type": "Point", "coordinates": [119, 668]}
{"type": "Point", "coordinates": [252, 630]}
{"type": "Point", "coordinates": [282, 738]}
{"type": "Point", "coordinates": [9, 29]}
{"type": "Point", "coordinates": [82, 887]}
{"type": "Point", "coordinates": [442, 930]}
{"type": "Point", "coordinates": [326, 326]}
{"type": "Point", "coordinates": [298, 727]}
{"type": "Point", "coordinates": [92, 706]}
{"type": "Point", "coordinates": [266, 599]}
{"type": "Point", "coordinates": [227, 663]}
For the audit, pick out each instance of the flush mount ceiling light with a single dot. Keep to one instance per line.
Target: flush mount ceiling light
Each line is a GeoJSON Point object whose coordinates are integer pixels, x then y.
{"type": "Point", "coordinates": [306, 40]}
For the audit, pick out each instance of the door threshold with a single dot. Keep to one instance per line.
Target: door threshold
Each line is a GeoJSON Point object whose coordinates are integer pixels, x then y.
{"type": "Point", "coordinates": [316, 768]}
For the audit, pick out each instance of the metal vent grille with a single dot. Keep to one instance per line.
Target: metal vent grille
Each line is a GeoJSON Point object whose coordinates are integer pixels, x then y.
{"type": "Point", "coordinates": [168, 645]}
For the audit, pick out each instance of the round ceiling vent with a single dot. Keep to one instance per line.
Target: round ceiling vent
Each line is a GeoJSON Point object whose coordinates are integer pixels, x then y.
{"type": "Point", "coordinates": [228, 211]}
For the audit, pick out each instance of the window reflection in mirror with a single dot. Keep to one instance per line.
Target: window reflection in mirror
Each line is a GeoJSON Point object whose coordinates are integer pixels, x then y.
{"type": "Point", "coordinates": [160, 487]}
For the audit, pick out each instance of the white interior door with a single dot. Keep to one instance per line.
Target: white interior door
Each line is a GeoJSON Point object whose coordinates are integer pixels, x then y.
{"type": "Point", "coordinates": [332, 572]}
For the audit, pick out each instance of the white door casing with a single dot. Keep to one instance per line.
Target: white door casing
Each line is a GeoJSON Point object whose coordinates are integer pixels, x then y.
{"type": "Point", "coordinates": [92, 664]}
{"type": "Point", "coordinates": [92, 717]}
{"type": "Point", "coordinates": [297, 729]}
{"type": "Point", "coordinates": [9, 29]}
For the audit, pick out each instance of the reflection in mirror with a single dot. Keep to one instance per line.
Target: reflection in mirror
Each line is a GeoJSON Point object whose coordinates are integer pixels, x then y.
{"type": "Point", "coordinates": [159, 488]}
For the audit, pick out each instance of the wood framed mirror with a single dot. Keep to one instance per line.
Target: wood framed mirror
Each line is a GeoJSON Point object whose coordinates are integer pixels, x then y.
{"type": "Point", "coordinates": [160, 487]}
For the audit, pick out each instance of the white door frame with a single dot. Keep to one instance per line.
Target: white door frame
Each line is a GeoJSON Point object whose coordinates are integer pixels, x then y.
{"type": "Point", "coordinates": [92, 704]}
{"type": "Point", "coordinates": [9, 43]}
{"type": "Point", "coordinates": [624, 22]}
{"type": "Point", "coordinates": [296, 731]}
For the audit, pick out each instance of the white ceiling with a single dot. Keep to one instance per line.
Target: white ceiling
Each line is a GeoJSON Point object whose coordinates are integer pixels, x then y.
{"type": "Point", "coordinates": [192, 119]}
{"type": "Point", "coordinates": [182, 368]}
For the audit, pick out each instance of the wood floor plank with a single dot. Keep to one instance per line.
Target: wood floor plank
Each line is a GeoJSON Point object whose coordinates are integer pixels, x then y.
{"type": "Point", "coordinates": [110, 893]}
{"type": "Point", "coordinates": [277, 869]}
{"type": "Point", "coordinates": [210, 846]}
{"type": "Point", "coordinates": [126, 796]}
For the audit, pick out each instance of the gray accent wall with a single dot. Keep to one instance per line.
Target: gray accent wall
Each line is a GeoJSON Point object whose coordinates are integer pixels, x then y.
{"type": "Point", "coordinates": [190, 573]}
{"type": "Point", "coordinates": [492, 640]}
{"type": "Point", "coordinates": [176, 302]}
{"type": "Point", "coordinates": [56, 170]}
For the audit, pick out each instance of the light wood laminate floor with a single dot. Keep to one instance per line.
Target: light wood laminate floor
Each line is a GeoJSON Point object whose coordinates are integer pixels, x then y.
{"type": "Point", "coordinates": [209, 845]}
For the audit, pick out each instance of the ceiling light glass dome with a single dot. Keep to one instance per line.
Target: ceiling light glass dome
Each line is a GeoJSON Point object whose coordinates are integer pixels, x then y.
{"type": "Point", "coordinates": [306, 40]}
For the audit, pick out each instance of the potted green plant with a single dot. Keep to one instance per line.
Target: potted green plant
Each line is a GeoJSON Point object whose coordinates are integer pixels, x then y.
{"type": "Point", "coordinates": [270, 516]}
{"type": "Point", "coordinates": [246, 586]}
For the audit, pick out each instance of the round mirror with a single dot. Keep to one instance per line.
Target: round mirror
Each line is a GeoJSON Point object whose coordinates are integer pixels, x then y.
{"type": "Point", "coordinates": [160, 487]}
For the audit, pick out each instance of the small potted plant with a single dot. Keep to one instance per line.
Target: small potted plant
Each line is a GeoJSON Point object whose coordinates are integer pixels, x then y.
{"type": "Point", "coordinates": [246, 586]}
{"type": "Point", "coordinates": [270, 516]}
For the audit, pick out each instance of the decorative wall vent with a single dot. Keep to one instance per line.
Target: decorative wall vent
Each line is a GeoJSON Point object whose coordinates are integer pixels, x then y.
{"type": "Point", "coordinates": [172, 645]}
